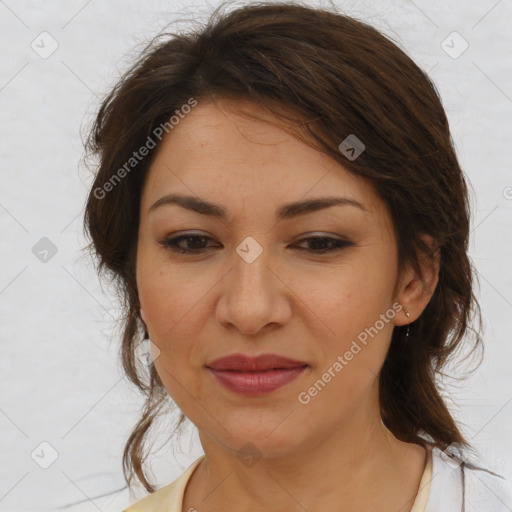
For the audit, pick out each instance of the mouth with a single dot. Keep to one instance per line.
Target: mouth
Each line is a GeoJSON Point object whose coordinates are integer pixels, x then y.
{"type": "Point", "coordinates": [261, 363]}
{"type": "Point", "coordinates": [255, 375]}
{"type": "Point", "coordinates": [256, 383]}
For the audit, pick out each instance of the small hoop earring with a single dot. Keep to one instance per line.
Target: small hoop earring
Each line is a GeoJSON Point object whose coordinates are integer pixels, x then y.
{"type": "Point", "coordinates": [407, 314]}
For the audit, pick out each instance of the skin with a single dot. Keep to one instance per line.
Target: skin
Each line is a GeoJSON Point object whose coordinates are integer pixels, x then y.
{"type": "Point", "coordinates": [333, 450]}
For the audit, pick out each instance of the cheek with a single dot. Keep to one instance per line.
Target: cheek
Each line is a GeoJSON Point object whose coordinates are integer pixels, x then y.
{"type": "Point", "coordinates": [362, 320]}
{"type": "Point", "coordinates": [175, 310]}
{"type": "Point", "coordinates": [348, 372]}
{"type": "Point", "coordinates": [168, 297]}
{"type": "Point", "coordinates": [345, 298]}
{"type": "Point", "coordinates": [354, 306]}
{"type": "Point", "coordinates": [172, 308]}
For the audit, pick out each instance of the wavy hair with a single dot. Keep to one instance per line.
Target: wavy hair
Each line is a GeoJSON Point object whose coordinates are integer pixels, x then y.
{"type": "Point", "coordinates": [330, 75]}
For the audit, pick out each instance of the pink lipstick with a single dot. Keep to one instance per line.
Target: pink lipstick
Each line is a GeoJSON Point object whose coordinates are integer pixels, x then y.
{"type": "Point", "coordinates": [255, 376]}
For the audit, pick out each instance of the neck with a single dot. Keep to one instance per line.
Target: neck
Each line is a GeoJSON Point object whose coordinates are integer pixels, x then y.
{"type": "Point", "coordinates": [360, 465]}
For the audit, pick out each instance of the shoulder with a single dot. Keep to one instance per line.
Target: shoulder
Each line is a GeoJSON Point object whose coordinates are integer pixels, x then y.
{"type": "Point", "coordinates": [466, 486]}
{"type": "Point", "coordinates": [168, 498]}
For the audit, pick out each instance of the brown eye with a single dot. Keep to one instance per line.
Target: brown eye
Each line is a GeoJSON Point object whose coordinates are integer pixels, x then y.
{"type": "Point", "coordinates": [193, 243]}
{"type": "Point", "coordinates": [196, 244]}
{"type": "Point", "coordinates": [323, 244]}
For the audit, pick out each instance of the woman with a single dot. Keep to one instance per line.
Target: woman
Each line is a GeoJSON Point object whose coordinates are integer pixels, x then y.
{"type": "Point", "coordinates": [280, 203]}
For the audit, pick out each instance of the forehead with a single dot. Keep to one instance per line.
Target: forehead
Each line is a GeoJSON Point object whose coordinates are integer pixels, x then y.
{"type": "Point", "coordinates": [218, 153]}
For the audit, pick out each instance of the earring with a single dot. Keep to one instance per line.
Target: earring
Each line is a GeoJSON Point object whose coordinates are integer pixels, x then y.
{"type": "Point", "coordinates": [407, 314]}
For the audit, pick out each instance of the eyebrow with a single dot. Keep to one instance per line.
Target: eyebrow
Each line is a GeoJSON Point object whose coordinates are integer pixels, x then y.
{"type": "Point", "coordinates": [286, 211]}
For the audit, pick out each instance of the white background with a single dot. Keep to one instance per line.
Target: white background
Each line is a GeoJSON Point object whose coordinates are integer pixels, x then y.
{"type": "Point", "coordinates": [60, 379]}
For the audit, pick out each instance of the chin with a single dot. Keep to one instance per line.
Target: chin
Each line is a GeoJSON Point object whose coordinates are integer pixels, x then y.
{"type": "Point", "coordinates": [269, 438]}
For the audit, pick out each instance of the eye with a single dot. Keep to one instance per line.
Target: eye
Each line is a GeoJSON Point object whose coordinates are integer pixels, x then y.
{"type": "Point", "coordinates": [172, 243]}
{"type": "Point", "coordinates": [326, 244]}
{"type": "Point", "coordinates": [195, 244]}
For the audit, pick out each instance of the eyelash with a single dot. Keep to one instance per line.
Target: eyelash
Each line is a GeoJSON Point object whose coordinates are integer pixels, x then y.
{"type": "Point", "coordinates": [172, 244]}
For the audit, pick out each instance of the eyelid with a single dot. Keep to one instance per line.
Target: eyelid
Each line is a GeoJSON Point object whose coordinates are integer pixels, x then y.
{"type": "Point", "coordinates": [321, 234]}
{"type": "Point", "coordinates": [338, 243]}
{"type": "Point", "coordinates": [309, 234]}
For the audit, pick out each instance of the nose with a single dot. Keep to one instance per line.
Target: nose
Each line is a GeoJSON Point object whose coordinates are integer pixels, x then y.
{"type": "Point", "coordinates": [254, 295]}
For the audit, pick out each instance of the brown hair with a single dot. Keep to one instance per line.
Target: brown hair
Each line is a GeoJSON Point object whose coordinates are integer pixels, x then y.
{"type": "Point", "coordinates": [343, 77]}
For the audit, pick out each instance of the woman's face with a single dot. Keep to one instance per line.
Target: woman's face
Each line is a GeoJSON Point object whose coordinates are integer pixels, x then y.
{"type": "Point", "coordinates": [254, 282]}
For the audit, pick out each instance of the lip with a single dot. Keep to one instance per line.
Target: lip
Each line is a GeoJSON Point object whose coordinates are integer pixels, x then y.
{"type": "Point", "coordinates": [243, 363]}
{"type": "Point", "coordinates": [255, 376]}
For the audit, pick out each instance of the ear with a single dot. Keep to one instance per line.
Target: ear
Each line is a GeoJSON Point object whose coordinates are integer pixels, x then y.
{"type": "Point", "coordinates": [416, 289]}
